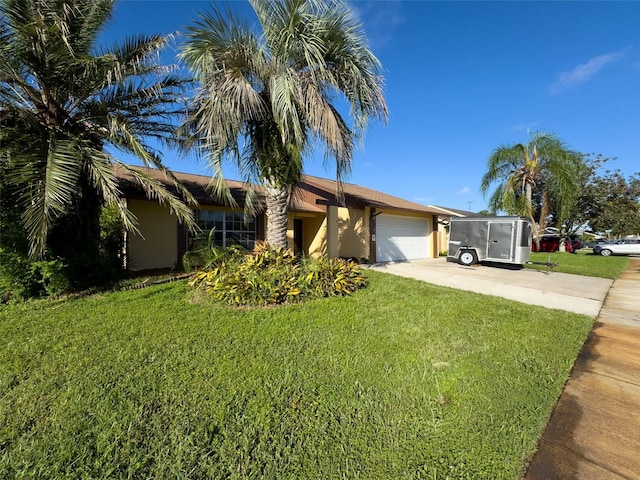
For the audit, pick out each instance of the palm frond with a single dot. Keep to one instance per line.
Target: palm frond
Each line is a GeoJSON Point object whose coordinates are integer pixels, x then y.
{"type": "Point", "coordinates": [46, 189]}
{"type": "Point", "coordinates": [265, 96]}
{"type": "Point", "coordinates": [155, 190]}
{"type": "Point", "coordinates": [74, 98]}
{"type": "Point", "coordinates": [544, 165]}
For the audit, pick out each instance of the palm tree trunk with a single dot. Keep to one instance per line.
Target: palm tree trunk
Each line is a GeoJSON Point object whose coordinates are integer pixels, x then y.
{"type": "Point", "coordinates": [544, 209]}
{"type": "Point", "coordinates": [535, 230]}
{"type": "Point", "coordinates": [277, 199]}
{"type": "Point", "coordinates": [542, 222]}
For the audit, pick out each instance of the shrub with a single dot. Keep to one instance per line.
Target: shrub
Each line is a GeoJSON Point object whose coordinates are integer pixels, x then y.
{"type": "Point", "coordinates": [52, 276]}
{"type": "Point", "coordinates": [276, 276]}
{"type": "Point", "coordinates": [21, 278]}
{"type": "Point", "coordinates": [112, 238]}
{"type": "Point", "coordinates": [15, 276]}
{"type": "Point", "coordinates": [330, 277]}
{"type": "Point", "coordinates": [204, 252]}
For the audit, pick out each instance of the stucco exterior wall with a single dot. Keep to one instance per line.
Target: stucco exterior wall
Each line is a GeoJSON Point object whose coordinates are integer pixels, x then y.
{"type": "Point", "coordinates": [353, 236]}
{"type": "Point", "coordinates": [315, 236]}
{"type": "Point", "coordinates": [158, 245]}
{"type": "Point", "coordinates": [289, 231]}
{"type": "Point", "coordinates": [443, 237]}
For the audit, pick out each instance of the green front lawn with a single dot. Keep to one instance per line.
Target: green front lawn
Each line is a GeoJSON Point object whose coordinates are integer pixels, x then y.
{"type": "Point", "coordinates": [582, 263]}
{"type": "Point", "coordinates": [401, 380]}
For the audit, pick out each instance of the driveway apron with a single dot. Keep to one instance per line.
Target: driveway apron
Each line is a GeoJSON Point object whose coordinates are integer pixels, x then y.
{"type": "Point", "coordinates": [573, 293]}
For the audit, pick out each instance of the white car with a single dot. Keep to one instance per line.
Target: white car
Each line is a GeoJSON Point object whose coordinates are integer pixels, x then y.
{"type": "Point", "coordinates": [628, 246]}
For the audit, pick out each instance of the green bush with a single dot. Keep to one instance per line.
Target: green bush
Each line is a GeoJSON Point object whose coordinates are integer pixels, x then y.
{"type": "Point", "coordinates": [276, 276]}
{"type": "Point", "coordinates": [21, 278]}
{"type": "Point", "coordinates": [52, 276]}
{"type": "Point", "coordinates": [112, 238]}
{"type": "Point", "coordinates": [16, 279]}
{"type": "Point", "coordinates": [204, 252]}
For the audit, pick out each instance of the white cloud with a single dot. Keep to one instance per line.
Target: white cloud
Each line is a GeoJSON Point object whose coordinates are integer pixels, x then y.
{"type": "Point", "coordinates": [523, 127]}
{"type": "Point", "coordinates": [381, 20]}
{"type": "Point", "coordinates": [463, 191]}
{"type": "Point", "coordinates": [584, 72]}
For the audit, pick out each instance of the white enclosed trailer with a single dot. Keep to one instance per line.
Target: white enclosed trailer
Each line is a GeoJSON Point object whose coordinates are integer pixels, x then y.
{"type": "Point", "coordinates": [491, 239]}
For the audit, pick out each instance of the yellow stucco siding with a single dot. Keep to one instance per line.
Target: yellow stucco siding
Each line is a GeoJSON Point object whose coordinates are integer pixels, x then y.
{"type": "Point", "coordinates": [443, 237]}
{"type": "Point", "coordinates": [434, 238]}
{"type": "Point", "coordinates": [353, 233]}
{"type": "Point", "coordinates": [158, 245]}
{"type": "Point", "coordinates": [315, 236]}
{"type": "Point", "coordinates": [290, 231]}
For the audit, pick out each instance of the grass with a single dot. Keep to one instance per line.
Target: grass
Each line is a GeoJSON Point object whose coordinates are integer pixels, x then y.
{"type": "Point", "coordinates": [402, 380]}
{"type": "Point", "coordinates": [582, 263]}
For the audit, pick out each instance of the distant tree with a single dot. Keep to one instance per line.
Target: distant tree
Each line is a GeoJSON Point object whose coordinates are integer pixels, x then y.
{"type": "Point", "coordinates": [576, 218]}
{"type": "Point", "coordinates": [532, 176]}
{"type": "Point", "coordinates": [267, 96]}
{"type": "Point", "coordinates": [63, 100]}
{"type": "Point", "coordinates": [612, 202]}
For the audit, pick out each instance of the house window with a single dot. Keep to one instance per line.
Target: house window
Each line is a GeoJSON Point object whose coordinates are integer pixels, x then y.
{"type": "Point", "coordinates": [230, 228]}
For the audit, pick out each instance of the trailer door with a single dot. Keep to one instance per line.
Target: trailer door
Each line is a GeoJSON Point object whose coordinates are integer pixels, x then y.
{"type": "Point", "coordinates": [500, 241]}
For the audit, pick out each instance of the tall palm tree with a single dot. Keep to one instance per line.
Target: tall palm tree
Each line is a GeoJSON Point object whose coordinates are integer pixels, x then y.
{"type": "Point", "coordinates": [266, 97]}
{"type": "Point", "coordinates": [63, 101]}
{"type": "Point", "coordinates": [530, 176]}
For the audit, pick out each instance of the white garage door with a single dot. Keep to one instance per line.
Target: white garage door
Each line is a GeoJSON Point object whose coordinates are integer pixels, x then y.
{"type": "Point", "coordinates": [401, 238]}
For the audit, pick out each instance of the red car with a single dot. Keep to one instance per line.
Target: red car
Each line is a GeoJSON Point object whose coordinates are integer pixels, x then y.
{"type": "Point", "coordinates": [551, 243]}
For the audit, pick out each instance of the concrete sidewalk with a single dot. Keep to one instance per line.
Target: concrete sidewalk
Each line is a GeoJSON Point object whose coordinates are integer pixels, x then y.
{"type": "Point", "coordinates": [594, 431]}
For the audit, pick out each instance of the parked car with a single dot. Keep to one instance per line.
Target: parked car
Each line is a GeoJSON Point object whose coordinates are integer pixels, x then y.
{"type": "Point", "coordinates": [551, 243]}
{"type": "Point", "coordinates": [628, 246]}
{"type": "Point", "coordinates": [596, 242]}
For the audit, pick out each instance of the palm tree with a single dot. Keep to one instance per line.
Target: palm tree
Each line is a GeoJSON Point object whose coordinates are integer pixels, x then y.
{"type": "Point", "coordinates": [265, 98]}
{"type": "Point", "coordinates": [531, 176]}
{"type": "Point", "coordinates": [64, 104]}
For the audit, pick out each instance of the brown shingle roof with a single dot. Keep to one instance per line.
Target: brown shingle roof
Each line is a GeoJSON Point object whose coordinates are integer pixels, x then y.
{"type": "Point", "coordinates": [357, 196]}
{"type": "Point", "coordinates": [200, 187]}
{"type": "Point", "coordinates": [322, 188]}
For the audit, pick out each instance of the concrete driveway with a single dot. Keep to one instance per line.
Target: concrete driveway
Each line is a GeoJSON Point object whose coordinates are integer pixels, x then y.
{"type": "Point", "coordinates": [573, 293]}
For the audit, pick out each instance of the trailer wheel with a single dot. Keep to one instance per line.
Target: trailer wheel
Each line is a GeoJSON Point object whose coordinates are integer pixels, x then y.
{"type": "Point", "coordinates": [468, 257]}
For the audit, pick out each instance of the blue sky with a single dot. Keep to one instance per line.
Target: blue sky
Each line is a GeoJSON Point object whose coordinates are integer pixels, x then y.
{"type": "Point", "coordinates": [462, 78]}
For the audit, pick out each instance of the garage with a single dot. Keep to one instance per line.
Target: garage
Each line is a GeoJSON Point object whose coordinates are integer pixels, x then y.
{"type": "Point", "coordinates": [401, 238]}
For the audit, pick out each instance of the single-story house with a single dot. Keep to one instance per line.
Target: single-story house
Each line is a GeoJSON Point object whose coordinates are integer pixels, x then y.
{"type": "Point", "coordinates": [367, 224]}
